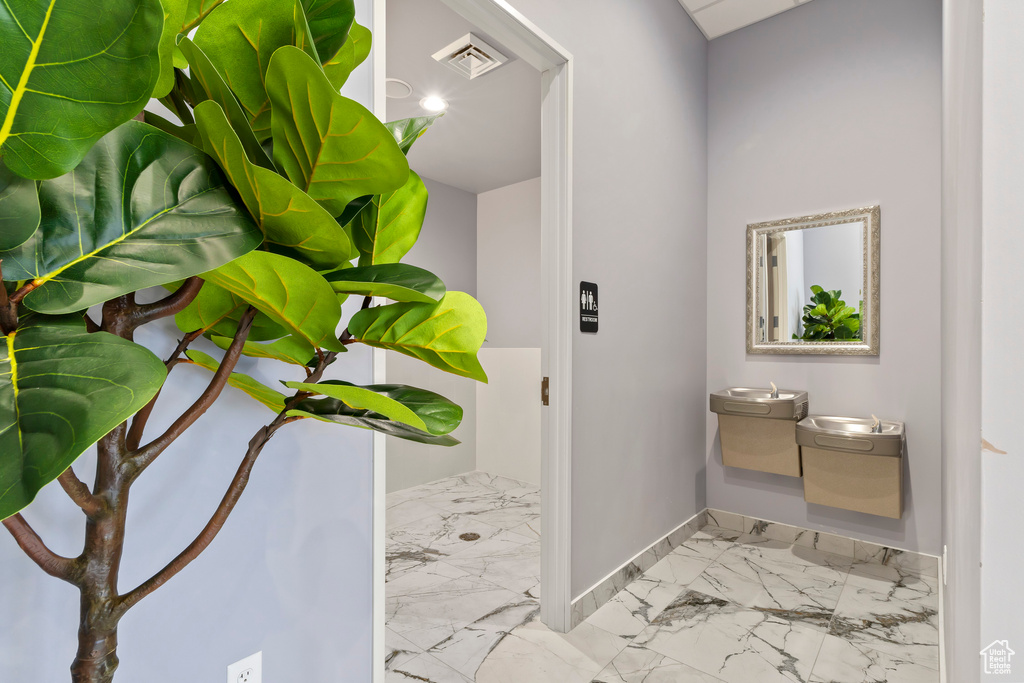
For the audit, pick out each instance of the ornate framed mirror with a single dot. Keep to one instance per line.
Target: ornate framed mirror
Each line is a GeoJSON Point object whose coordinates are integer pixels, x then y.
{"type": "Point", "coordinates": [813, 284]}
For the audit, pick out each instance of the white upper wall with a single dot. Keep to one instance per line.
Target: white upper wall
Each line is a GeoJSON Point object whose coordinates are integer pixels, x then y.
{"type": "Point", "coordinates": [508, 264]}
{"type": "Point", "coordinates": [718, 17]}
{"type": "Point", "coordinates": [834, 105]}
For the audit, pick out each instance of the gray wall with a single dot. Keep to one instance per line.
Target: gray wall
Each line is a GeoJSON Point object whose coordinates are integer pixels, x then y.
{"type": "Point", "coordinates": [833, 105]}
{"type": "Point", "coordinates": [961, 333]}
{"type": "Point", "coordinates": [639, 231]}
{"type": "Point", "coordinates": [447, 248]}
{"type": "Point", "coordinates": [447, 244]}
{"type": "Point", "coordinates": [508, 264]}
{"type": "Point", "coordinates": [1002, 600]}
{"type": "Point", "coordinates": [290, 574]}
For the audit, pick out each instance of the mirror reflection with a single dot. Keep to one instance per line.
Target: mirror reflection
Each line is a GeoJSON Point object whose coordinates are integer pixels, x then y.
{"type": "Point", "coordinates": [813, 284]}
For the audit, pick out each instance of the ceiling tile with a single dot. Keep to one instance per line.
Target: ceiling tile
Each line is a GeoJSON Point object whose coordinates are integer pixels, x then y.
{"type": "Point", "coordinates": [694, 5]}
{"type": "Point", "coordinates": [729, 15]}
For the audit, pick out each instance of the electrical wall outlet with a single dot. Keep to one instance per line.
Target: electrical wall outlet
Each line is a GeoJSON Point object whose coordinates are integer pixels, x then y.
{"type": "Point", "coordinates": [248, 670]}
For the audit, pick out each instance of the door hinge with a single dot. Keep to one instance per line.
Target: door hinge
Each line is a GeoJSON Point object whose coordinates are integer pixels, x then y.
{"type": "Point", "coordinates": [545, 391]}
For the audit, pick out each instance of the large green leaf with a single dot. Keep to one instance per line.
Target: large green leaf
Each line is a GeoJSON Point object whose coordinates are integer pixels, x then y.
{"type": "Point", "coordinates": [174, 15]}
{"type": "Point", "coordinates": [197, 11]}
{"type": "Point", "coordinates": [142, 209]}
{"type": "Point", "coordinates": [408, 131]}
{"type": "Point", "coordinates": [330, 146]}
{"type": "Point", "coordinates": [212, 87]}
{"type": "Point", "coordinates": [240, 37]}
{"type": "Point", "coordinates": [288, 350]}
{"type": "Point", "coordinates": [216, 311]}
{"type": "Point", "coordinates": [69, 73]}
{"type": "Point", "coordinates": [288, 216]}
{"type": "Point", "coordinates": [19, 209]}
{"type": "Point", "coordinates": [396, 281]}
{"type": "Point", "coordinates": [337, 412]}
{"type": "Point", "coordinates": [329, 24]}
{"type": "Point", "coordinates": [447, 334]}
{"type": "Point", "coordinates": [417, 408]}
{"type": "Point", "coordinates": [387, 229]}
{"type": "Point", "coordinates": [288, 292]}
{"type": "Point", "coordinates": [353, 53]}
{"type": "Point", "coordinates": [186, 133]}
{"type": "Point", "coordinates": [61, 390]}
{"type": "Point", "coordinates": [274, 400]}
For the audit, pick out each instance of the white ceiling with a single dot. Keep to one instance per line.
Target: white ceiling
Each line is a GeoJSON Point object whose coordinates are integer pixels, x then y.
{"type": "Point", "coordinates": [718, 17]}
{"type": "Point", "coordinates": [490, 136]}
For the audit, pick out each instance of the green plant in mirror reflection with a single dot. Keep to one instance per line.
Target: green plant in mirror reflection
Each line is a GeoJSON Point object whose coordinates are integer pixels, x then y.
{"type": "Point", "coordinates": [828, 318]}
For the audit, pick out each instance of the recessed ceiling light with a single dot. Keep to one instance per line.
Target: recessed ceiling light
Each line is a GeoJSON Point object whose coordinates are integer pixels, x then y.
{"type": "Point", "coordinates": [434, 103]}
{"type": "Point", "coordinates": [397, 89]}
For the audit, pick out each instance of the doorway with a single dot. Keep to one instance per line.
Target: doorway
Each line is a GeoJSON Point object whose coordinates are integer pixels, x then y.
{"type": "Point", "coordinates": [518, 360]}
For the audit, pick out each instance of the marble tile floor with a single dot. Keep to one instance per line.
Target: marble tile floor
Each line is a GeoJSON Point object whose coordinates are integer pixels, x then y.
{"type": "Point", "coordinates": [463, 594]}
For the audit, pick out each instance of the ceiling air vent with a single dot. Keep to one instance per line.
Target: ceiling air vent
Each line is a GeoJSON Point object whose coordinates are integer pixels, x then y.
{"type": "Point", "coordinates": [471, 56]}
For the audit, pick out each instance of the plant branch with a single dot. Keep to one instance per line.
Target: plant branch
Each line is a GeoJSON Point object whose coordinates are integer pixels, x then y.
{"type": "Point", "coordinates": [169, 305]}
{"type": "Point", "coordinates": [78, 492]}
{"type": "Point", "coordinates": [146, 455]}
{"type": "Point", "coordinates": [23, 291]}
{"type": "Point", "coordinates": [212, 528]}
{"type": "Point", "coordinates": [142, 417]}
{"type": "Point", "coordinates": [230, 499]}
{"type": "Point", "coordinates": [63, 568]}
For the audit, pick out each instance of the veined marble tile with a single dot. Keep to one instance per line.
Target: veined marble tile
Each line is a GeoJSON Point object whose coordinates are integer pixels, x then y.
{"type": "Point", "coordinates": [637, 664]}
{"type": "Point", "coordinates": [734, 644]}
{"type": "Point", "coordinates": [436, 537]}
{"type": "Point", "coordinates": [726, 520]}
{"type": "Point", "coordinates": [409, 511]}
{"type": "Point", "coordinates": [398, 650]}
{"type": "Point", "coordinates": [530, 528]}
{"type": "Point", "coordinates": [629, 612]}
{"type": "Point", "coordinates": [711, 541]}
{"type": "Point", "coordinates": [507, 517]}
{"type": "Point", "coordinates": [785, 557]}
{"type": "Point", "coordinates": [895, 583]}
{"type": "Point", "coordinates": [680, 567]}
{"type": "Point", "coordinates": [800, 598]}
{"type": "Point", "coordinates": [502, 561]}
{"type": "Point", "coordinates": [926, 565]}
{"type": "Point", "coordinates": [840, 661]}
{"type": "Point", "coordinates": [535, 654]}
{"type": "Point", "coordinates": [467, 648]}
{"type": "Point", "coordinates": [829, 543]}
{"type": "Point", "coordinates": [903, 628]}
{"type": "Point", "coordinates": [424, 668]}
{"type": "Point", "coordinates": [431, 604]}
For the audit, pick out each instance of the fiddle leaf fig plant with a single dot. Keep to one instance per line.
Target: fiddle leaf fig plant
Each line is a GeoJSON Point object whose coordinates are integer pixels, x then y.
{"type": "Point", "coordinates": [265, 205]}
{"type": "Point", "coordinates": [828, 318]}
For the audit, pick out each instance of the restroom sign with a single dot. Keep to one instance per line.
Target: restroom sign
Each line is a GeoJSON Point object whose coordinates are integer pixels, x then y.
{"type": "Point", "coordinates": [588, 307]}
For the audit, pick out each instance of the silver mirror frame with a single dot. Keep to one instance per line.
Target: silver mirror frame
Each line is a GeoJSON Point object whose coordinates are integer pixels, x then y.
{"type": "Point", "coordinates": [872, 217]}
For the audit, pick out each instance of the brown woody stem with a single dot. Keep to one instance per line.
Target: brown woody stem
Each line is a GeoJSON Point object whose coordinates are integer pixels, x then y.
{"type": "Point", "coordinates": [78, 492]}
{"type": "Point", "coordinates": [170, 305]}
{"type": "Point", "coordinates": [28, 540]}
{"type": "Point", "coordinates": [147, 454]}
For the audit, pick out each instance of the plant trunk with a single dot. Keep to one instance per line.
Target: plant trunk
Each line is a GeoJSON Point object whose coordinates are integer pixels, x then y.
{"type": "Point", "coordinates": [96, 660]}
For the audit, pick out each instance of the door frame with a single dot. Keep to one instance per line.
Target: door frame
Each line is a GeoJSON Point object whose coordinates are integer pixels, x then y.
{"type": "Point", "coordinates": [506, 25]}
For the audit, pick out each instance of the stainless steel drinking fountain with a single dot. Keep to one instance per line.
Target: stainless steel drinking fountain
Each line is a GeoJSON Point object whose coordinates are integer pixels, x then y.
{"type": "Point", "coordinates": [758, 428]}
{"type": "Point", "coordinates": [853, 463]}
